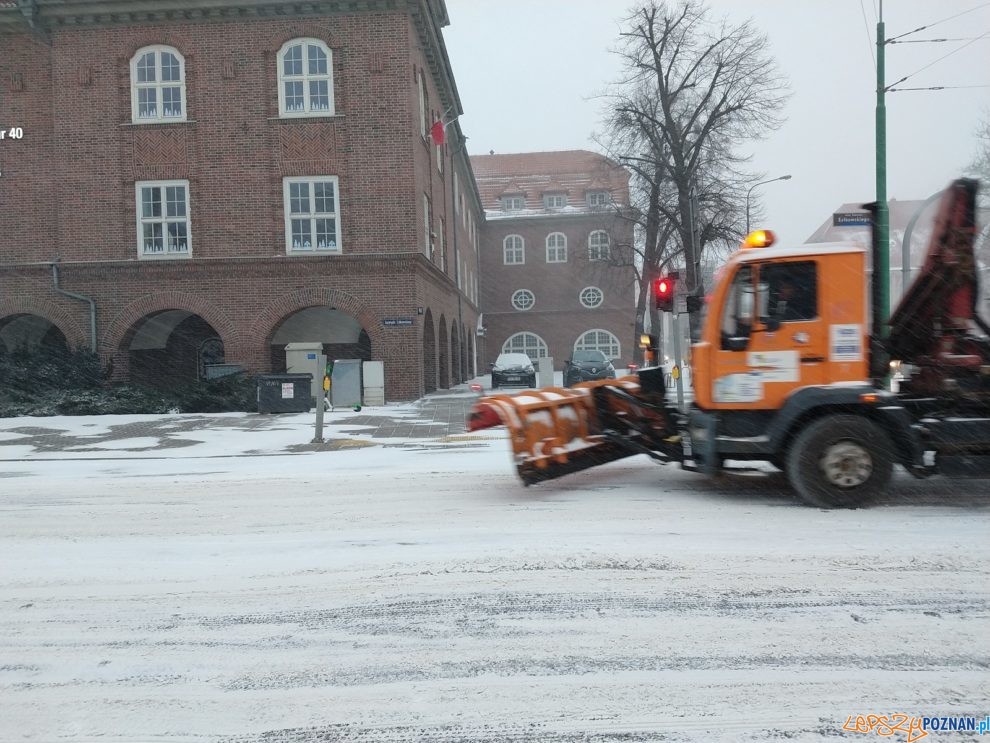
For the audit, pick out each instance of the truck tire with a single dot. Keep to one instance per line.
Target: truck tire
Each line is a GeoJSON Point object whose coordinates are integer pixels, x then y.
{"type": "Point", "coordinates": [842, 461]}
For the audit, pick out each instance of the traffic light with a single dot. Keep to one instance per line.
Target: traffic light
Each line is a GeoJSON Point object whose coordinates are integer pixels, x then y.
{"type": "Point", "coordinates": [663, 292]}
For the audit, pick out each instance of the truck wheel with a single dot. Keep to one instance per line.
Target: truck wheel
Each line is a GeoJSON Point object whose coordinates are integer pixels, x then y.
{"type": "Point", "coordinates": [842, 461]}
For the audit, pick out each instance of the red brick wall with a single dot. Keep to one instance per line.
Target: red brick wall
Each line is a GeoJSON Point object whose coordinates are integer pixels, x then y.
{"type": "Point", "coordinates": [68, 187]}
{"type": "Point", "coordinates": [557, 315]}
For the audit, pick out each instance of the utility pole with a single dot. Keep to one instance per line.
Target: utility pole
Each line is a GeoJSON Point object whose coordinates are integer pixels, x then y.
{"type": "Point", "coordinates": [881, 271]}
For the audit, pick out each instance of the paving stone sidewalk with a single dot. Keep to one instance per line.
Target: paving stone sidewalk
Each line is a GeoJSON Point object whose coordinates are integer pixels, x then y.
{"type": "Point", "coordinates": [434, 417]}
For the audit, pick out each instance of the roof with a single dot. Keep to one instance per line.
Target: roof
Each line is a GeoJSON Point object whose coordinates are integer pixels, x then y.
{"type": "Point", "coordinates": [574, 172]}
{"type": "Point", "coordinates": [918, 214]}
{"type": "Point", "coordinates": [797, 251]}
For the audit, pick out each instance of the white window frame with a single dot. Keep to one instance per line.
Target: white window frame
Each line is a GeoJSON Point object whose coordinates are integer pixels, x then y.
{"type": "Point", "coordinates": [523, 341]}
{"type": "Point", "coordinates": [421, 84]}
{"type": "Point", "coordinates": [590, 290]}
{"type": "Point", "coordinates": [428, 249]}
{"type": "Point", "coordinates": [158, 85]}
{"type": "Point", "coordinates": [513, 203]}
{"type": "Point", "coordinates": [312, 215]}
{"type": "Point", "coordinates": [595, 251]}
{"type": "Point", "coordinates": [523, 300]}
{"type": "Point", "coordinates": [594, 344]}
{"type": "Point", "coordinates": [162, 219]}
{"type": "Point", "coordinates": [443, 249]}
{"type": "Point", "coordinates": [306, 77]}
{"type": "Point", "coordinates": [518, 252]}
{"type": "Point", "coordinates": [599, 199]}
{"type": "Point", "coordinates": [457, 195]}
{"type": "Point", "coordinates": [554, 200]}
{"type": "Point", "coordinates": [557, 253]}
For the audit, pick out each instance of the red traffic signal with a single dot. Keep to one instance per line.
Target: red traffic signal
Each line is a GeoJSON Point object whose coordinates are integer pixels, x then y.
{"type": "Point", "coordinates": [663, 293]}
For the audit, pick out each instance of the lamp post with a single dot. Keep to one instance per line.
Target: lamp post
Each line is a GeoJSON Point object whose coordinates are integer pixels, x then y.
{"type": "Point", "coordinates": [779, 178]}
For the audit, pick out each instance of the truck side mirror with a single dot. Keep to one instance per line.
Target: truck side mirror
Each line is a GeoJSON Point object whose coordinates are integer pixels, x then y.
{"type": "Point", "coordinates": [772, 324]}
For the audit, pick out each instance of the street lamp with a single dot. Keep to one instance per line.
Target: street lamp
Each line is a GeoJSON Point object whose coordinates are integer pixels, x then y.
{"type": "Point", "coordinates": [779, 178]}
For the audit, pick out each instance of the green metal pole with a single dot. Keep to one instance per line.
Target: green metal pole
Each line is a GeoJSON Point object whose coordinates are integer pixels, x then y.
{"type": "Point", "coordinates": [881, 272]}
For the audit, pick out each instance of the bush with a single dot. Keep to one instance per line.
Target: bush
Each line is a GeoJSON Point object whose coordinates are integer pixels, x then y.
{"type": "Point", "coordinates": [47, 369]}
{"type": "Point", "coordinates": [47, 383]}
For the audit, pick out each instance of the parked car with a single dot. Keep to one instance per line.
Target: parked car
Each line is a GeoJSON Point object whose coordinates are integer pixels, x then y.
{"type": "Point", "coordinates": [584, 366]}
{"type": "Point", "coordinates": [513, 370]}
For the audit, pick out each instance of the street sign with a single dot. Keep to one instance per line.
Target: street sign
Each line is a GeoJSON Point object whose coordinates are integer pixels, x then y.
{"type": "Point", "coordinates": [851, 219]}
{"type": "Point", "coordinates": [391, 322]}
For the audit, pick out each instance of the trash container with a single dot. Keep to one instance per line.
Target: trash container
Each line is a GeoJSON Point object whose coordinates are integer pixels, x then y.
{"type": "Point", "coordinates": [285, 393]}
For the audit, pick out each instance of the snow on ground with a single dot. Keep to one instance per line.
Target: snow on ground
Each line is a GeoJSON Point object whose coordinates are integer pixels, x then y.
{"type": "Point", "coordinates": [410, 590]}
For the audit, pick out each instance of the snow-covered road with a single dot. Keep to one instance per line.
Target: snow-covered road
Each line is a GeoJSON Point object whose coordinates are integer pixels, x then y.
{"type": "Point", "coordinates": [390, 594]}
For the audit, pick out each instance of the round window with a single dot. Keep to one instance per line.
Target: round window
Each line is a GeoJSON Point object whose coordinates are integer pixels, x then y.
{"type": "Point", "coordinates": [523, 299]}
{"type": "Point", "coordinates": [591, 297]}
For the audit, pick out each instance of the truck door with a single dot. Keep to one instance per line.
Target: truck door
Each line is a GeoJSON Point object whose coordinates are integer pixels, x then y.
{"type": "Point", "coordinates": [792, 317]}
{"type": "Point", "coordinates": [772, 338]}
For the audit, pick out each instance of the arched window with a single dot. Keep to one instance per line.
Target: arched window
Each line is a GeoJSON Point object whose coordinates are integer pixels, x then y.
{"type": "Point", "coordinates": [523, 299]}
{"type": "Point", "coordinates": [599, 340]}
{"type": "Point", "coordinates": [528, 343]}
{"type": "Point", "coordinates": [598, 246]}
{"type": "Point", "coordinates": [305, 78]}
{"type": "Point", "coordinates": [556, 247]}
{"type": "Point", "coordinates": [591, 297]}
{"type": "Point", "coordinates": [158, 85]}
{"type": "Point", "coordinates": [513, 250]}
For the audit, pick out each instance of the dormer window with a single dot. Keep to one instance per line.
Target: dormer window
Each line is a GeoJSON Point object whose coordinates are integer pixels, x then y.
{"type": "Point", "coordinates": [513, 203]}
{"type": "Point", "coordinates": [599, 198]}
{"type": "Point", "coordinates": [555, 200]}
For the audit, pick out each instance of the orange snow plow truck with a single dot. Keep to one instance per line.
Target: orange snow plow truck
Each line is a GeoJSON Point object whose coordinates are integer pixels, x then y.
{"type": "Point", "coordinates": [790, 370]}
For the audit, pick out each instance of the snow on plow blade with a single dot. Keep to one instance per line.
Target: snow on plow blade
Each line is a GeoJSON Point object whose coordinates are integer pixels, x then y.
{"type": "Point", "coordinates": [555, 431]}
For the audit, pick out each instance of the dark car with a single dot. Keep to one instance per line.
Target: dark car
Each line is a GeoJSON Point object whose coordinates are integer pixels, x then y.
{"type": "Point", "coordinates": [513, 370]}
{"type": "Point", "coordinates": [584, 366]}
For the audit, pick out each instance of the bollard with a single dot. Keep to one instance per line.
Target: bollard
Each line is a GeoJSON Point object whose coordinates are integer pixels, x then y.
{"type": "Point", "coordinates": [321, 404]}
{"type": "Point", "coordinates": [318, 436]}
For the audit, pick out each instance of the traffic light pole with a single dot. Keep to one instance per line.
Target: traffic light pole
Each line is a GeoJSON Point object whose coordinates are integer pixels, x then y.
{"type": "Point", "coordinates": [675, 334]}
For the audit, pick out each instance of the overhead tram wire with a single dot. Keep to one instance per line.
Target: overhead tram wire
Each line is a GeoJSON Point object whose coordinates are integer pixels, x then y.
{"type": "Point", "coordinates": [869, 39]}
{"type": "Point", "coordinates": [933, 41]}
{"type": "Point", "coordinates": [944, 56]}
{"type": "Point", "coordinates": [938, 87]}
{"type": "Point", "coordinates": [984, 5]}
{"type": "Point", "coordinates": [893, 39]}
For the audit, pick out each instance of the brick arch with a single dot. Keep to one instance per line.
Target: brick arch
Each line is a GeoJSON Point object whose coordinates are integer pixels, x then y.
{"type": "Point", "coordinates": [153, 38]}
{"type": "Point", "coordinates": [429, 353]}
{"type": "Point", "coordinates": [116, 331]}
{"type": "Point", "coordinates": [75, 334]}
{"type": "Point", "coordinates": [267, 320]}
{"type": "Point", "coordinates": [303, 30]}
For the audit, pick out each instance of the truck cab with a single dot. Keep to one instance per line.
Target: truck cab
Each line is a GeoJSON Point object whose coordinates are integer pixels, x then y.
{"type": "Point", "coordinates": [781, 319]}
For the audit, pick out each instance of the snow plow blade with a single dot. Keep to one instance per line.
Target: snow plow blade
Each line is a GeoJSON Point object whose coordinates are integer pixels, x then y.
{"type": "Point", "coordinates": [555, 431]}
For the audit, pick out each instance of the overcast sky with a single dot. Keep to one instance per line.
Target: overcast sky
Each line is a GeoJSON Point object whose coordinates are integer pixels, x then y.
{"type": "Point", "coordinates": [528, 72]}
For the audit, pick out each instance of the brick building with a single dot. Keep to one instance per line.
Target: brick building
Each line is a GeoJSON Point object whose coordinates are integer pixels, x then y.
{"type": "Point", "coordinates": [556, 255]}
{"type": "Point", "coordinates": [205, 181]}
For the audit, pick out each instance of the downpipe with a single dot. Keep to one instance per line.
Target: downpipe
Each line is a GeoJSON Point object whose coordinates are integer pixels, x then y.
{"type": "Point", "coordinates": [81, 298]}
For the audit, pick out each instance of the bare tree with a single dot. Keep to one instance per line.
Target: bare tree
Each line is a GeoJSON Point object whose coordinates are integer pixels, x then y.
{"type": "Point", "coordinates": [692, 91]}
